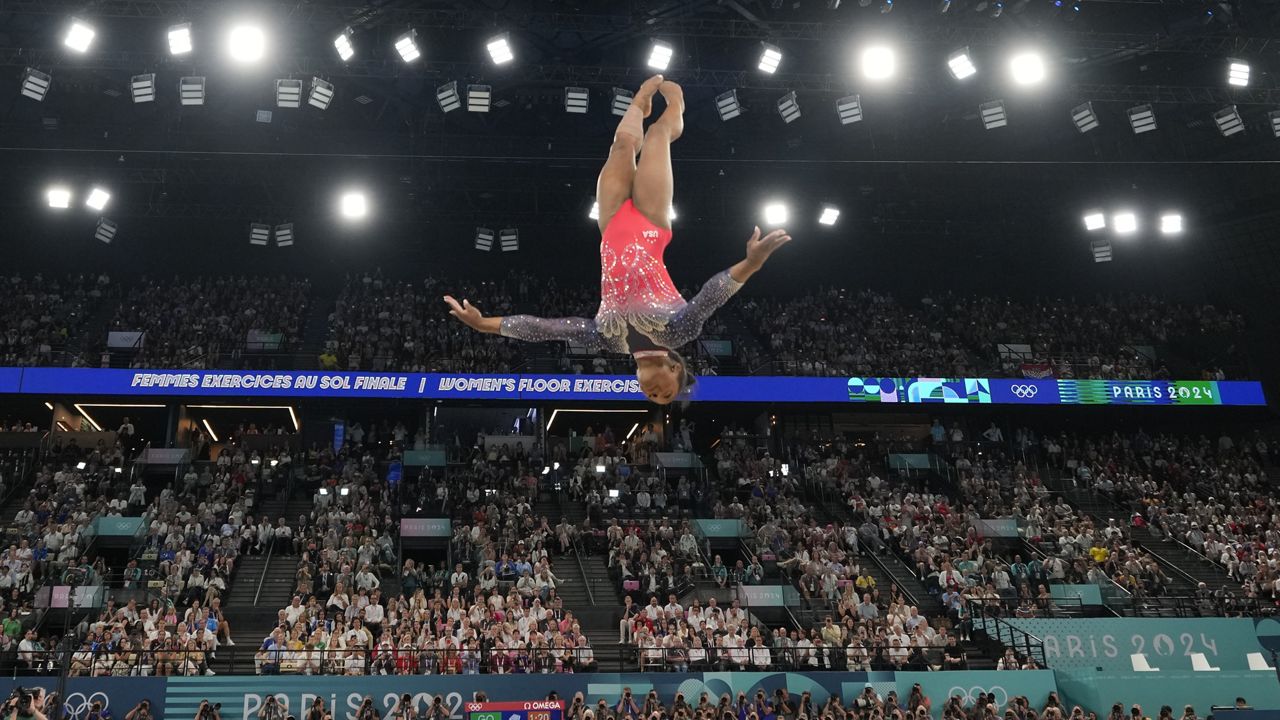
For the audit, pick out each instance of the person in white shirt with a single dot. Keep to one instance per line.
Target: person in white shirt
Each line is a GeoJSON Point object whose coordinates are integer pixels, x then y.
{"type": "Point", "coordinates": [295, 610]}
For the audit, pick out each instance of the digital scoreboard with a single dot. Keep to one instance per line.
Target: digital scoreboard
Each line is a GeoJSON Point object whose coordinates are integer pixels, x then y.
{"type": "Point", "coordinates": [528, 710]}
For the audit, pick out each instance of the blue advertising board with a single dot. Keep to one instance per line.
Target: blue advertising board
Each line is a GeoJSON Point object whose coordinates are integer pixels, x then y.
{"type": "Point", "coordinates": [1168, 643]}
{"type": "Point", "coordinates": [441, 386]}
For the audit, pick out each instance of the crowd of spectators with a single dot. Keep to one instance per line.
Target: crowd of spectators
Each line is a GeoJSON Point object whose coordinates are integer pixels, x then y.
{"type": "Point", "coordinates": [186, 322]}
{"type": "Point", "coordinates": [1212, 494]}
{"type": "Point", "coordinates": [40, 314]}
{"type": "Point", "coordinates": [837, 332]}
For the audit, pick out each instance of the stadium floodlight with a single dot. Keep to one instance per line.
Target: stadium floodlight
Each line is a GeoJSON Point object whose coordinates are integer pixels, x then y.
{"type": "Point", "coordinates": [993, 114]}
{"type": "Point", "coordinates": [106, 230]}
{"type": "Point", "coordinates": [830, 214]}
{"type": "Point", "coordinates": [770, 58]}
{"type": "Point", "coordinates": [879, 63]}
{"type": "Point", "coordinates": [1274, 116]}
{"type": "Point", "coordinates": [1101, 250]}
{"type": "Point", "coordinates": [1094, 220]}
{"type": "Point", "coordinates": [1084, 117]}
{"type": "Point", "coordinates": [1125, 223]}
{"type": "Point", "coordinates": [246, 43]}
{"type": "Point", "coordinates": [849, 109]}
{"type": "Point", "coordinates": [259, 234]}
{"type": "Point", "coordinates": [288, 93]}
{"type": "Point", "coordinates": [407, 46]}
{"type": "Point", "coordinates": [79, 36]}
{"type": "Point", "coordinates": [621, 101]}
{"type": "Point", "coordinates": [775, 213]}
{"type": "Point", "coordinates": [961, 64]}
{"type": "Point", "coordinates": [321, 94]}
{"type": "Point", "coordinates": [1142, 118]}
{"type": "Point", "coordinates": [510, 238]}
{"type": "Point", "coordinates": [98, 199]}
{"type": "Point", "coordinates": [143, 88]}
{"type": "Point", "coordinates": [1238, 73]}
{"type": "Point", "coordinates": [577, 100]}
{"type": "Point", "coordinates": [1027, 68]}
{"type": "Point", "coordinates": [484, 239]}
{"type": "Point", "coordinates": [479, 98]}
{"type": "Point", "coordinates": [354, 205]}
{"type": "Point", "coordinates": [342, 43]}
{"type": "Point", "coordinates": [1171, 223]}
{"type": "Point", "coordinates": [263, 116]}
{"type": "Point", "coordinates": [35, 84]}
{"type": "Point", "coordinates": [728, 106]}
{"type": "Point", "coordinates": [500, 49]}
{"type": "Point", "coordinates": [1229, 121]}
{"type": "Point", "coordinates": [594, 212]}
{"type": "Point", "coordinates": [180, 39]}
{"type": "Point", "coordinates": [671, 213]}
{"type": "Point", "coordinates": [284, 235]}
{"type": "Point", "coordinates": [59, 197]}
{"type": "Point", "coordinates": [447, 96]}
{"type": "Point", "coordinates": [191, 90]}
{"type": "Point", "coordinates": [789, 107]}
{"type": "Point", "coordinates": [660, 54]}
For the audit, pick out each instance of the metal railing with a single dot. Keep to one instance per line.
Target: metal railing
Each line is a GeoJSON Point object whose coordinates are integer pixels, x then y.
{"type": "Point", "coordinates": [138, 660]}
{"type": "Point", "coordinates": [1005, 633]}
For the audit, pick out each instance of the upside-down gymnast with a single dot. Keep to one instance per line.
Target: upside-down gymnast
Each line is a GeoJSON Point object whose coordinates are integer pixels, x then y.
{"type": "Point", "coordinates": [641, 312]}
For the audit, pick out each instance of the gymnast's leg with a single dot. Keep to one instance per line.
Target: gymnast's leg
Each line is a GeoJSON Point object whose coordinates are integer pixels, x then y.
{"type": "Point", "coordinates": [654, 185]}
{"type": "Point", "coordinates": [614, 185]}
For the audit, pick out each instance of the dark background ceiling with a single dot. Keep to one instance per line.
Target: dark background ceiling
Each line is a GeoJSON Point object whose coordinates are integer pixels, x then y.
{"type": "Point", "coordinates": [930, 198]}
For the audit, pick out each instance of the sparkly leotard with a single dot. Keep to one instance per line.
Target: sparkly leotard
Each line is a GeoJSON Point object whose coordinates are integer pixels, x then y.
{"type": "Point", "coordinates": [636, 295]}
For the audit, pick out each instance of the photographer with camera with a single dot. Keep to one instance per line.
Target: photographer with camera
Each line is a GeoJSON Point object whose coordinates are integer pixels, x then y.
{"type": "Point", "coordinates": [141, 711]}
{"type": "Point", "coordinates": [318, 711]}
{"type": "Point", "coordinates": [25, 704]}
{"type": "Point", "coordinates": [404, 709]}
{"type": "Point", "coordinates": [208, 711]}
{"type": "Point", "coordinates": [272, 710]}
{"type": "Point", "coordinates": [367, 711]}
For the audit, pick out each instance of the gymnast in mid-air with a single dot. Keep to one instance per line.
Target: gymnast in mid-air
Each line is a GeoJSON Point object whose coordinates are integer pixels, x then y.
{"type": "Point", "coordinates": [641, 312]}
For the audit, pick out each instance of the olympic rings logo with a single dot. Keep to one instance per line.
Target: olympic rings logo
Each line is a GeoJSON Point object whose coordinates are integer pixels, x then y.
{"type": "Point", "coordinates": [77, 705]}
{"type": "Point", "coordinates": [970, 696]}
{"type": "Point", "coordinates": [1024, 391]}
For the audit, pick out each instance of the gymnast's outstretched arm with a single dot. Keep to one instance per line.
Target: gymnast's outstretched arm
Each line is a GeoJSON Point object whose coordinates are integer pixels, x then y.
{"type": "Point", "coordinates": [580, 331]}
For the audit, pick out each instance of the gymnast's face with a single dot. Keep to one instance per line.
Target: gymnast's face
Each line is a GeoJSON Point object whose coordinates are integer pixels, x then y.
{"type": "Point", "coordinates": [659, 379]}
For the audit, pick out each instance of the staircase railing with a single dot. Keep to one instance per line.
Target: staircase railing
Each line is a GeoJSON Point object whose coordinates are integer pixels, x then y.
{"type": "Point", "coordinates": [1005, 633]}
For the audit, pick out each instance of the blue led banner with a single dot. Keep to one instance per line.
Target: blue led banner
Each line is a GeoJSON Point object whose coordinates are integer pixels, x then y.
{"type": "Point", "coordinates": [440, 386]}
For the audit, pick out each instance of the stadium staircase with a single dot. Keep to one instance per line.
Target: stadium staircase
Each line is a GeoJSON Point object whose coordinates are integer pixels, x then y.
{"type": "Point", "coordinates": [1184, 567]}
{"type": "Point", "coordinates": [262, 585]}
{"type": "Point", "coordinates": [585, 587]}
{"type": "Point", "coordinates": [315, 331]}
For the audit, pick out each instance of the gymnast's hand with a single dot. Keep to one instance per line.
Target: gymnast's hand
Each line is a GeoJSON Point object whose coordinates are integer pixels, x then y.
{"type": "Point", "coordinates": [471, 316]}
{"type": "Point", "coordinates": [760, 248]}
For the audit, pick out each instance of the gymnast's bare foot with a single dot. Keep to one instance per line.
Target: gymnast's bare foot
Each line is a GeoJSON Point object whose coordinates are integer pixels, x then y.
{"type": "Point", "coordinates": [673, 117]}
{"type": "Point", "coordinates": [644, 96]}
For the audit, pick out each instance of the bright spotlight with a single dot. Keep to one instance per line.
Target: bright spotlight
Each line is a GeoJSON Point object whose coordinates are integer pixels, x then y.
{"type": "Point", "coordinates": [180, 39]}
{"type": "Point", "coordinates": [594, 213]}
{"type": "Point", "coordinates": [500, 49]}
{"type": "Point", "coordinates": [1027, 68]}
{"type": "Point", "coordinates": [775, 213]}
{"type": "Point", "coordinates": [247, 43]}
{"type": "Point", "coordinates": [346, 49]}
{"type": "Point", "coordinates": [830, 214]}
{"type": "Point", "coordinates": [59, 197]}
{"type": "Point", "coordinates": [878, 63]}
{"type": "Point", "coordinates": [407, 46]}
{"type": "Point", "coordinates": [770, 58]}
{"type": "Point", "coordinates": [660, 54]}
{"type": "Point", "coordinates": [961, 64]}
{"type": "Point", "coordinates": [1171, 224]}
{"type": "Point", "coordinates": [98, 199]}
{"type": "Point", "coordinates": [79, 35]}
{"type": "Point", "coordinates": [354, 205]}
{"type": "Point", "coordinates": [1238, 73]}
{"type": "Point", "coordinates": [1094, 220]}
{"type": "Point", "coordinates": [1125, 223]}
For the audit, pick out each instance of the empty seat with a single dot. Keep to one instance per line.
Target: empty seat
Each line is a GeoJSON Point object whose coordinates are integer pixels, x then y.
{"type": "Point", "coordinates": [1200, 663]}
{"type": "Point", "coordinates": [1140, 664]}
{"type": "Point", "coordinates": [1258, 662]}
